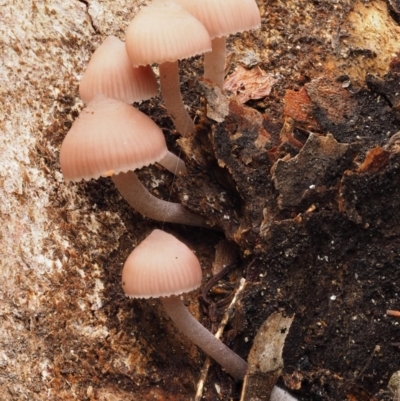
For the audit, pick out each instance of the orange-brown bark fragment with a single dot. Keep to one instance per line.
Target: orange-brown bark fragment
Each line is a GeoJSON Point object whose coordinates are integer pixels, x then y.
{"type": "Point", "coordinates": [331, 99]}
{"type": "Point", "coordinates": [376, 160]}
{"type": "Point", "coordinates": [298, 107]}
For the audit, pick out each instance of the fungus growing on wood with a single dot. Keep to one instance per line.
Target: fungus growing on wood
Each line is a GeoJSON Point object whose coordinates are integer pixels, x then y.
{"type": "Point", "coordinates": [111, 73]}
{"type": "Point", "coordinates": [111, 138]}
{"type": "Point", "coordinates": [164, 33]}
{"type": "Point", "coordinates": [222, 18]}
{"type": "Point", "coordinates": [163, 267]}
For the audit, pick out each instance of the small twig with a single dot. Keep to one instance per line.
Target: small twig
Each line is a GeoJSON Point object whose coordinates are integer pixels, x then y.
{"type": "Point", "coordinates": [221, 328]}
{"type": "Point", "coordinates": [393, 313]}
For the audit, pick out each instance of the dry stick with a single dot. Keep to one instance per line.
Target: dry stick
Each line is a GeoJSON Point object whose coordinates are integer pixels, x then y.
{"type": "Point", "coordinates": [221, 328]}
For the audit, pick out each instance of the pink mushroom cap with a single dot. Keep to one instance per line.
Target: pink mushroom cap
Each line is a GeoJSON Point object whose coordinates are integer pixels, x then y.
{"type": "Point", "coordinates": [110, 72]}
{"type": "Point", "coordinates": [160, 266]}
{"type": "Point", "coordinates": [110, 137]}
{"type": "Point", "coordinates": [164, 31]}
{"type": "Point", "coordinates": [224, 17]}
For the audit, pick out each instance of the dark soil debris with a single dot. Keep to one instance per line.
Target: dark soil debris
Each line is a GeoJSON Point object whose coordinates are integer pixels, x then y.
{"type": "Point", "coordinates": [318, 230]}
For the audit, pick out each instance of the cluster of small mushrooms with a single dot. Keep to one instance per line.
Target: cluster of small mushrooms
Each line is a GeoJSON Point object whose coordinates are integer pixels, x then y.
{"type": "Point", "coordinates": [112, 138]}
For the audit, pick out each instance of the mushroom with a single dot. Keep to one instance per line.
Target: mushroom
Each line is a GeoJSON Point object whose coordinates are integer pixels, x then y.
{"type": "Point", "coordinates": [112, 138]}
{"type": "Point", "coordinates": [111, 73]}
{"type": "Point", "coordinates": [163, 267]}
{"type": "Point", "coordinates": [163, 33]}
{"type": "Point", "coordinates": [222, 18]}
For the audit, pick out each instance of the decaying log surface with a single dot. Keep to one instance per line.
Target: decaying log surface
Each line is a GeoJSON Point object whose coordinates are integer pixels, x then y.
{"type": "Point", "coordinates": [303, 180]}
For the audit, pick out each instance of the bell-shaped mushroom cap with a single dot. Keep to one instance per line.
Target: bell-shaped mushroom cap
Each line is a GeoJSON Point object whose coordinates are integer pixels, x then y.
{"type": "Point", "coordinates": [110, 72]}
{"type": "Point", "coordinates": [224, 17]}
{"type": "Point", "coordinates": [160, 266]}
{"type": "Point", "coordinates": [163, 31]}
{"type": "Point", "coordinates": [110, 137]}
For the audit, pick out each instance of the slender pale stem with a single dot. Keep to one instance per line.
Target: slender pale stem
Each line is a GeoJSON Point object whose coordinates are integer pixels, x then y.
{"type": "Point", "coordinates": [171, 93]}
{"type": "Point", "coordinates": [214, 62]}
{"type": "Point", "coordinates": [173, 163]}
{"type": "Point", "coordinates": [203, 338]}
{"type": "Point", "coordinates": [133, 191]}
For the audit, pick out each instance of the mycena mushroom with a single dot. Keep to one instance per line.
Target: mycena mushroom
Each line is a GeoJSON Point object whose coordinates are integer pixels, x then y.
{"type": "Point", "coordinates": [112, 138]}
{"type": "Point", "coordinates": [163, 33]}
{"type": "Point", "coordinates": [110, 72]}
{"type": "Point", "coordinates": [222, 18]}
{"type": "Point", "coordinates": [163, 267]}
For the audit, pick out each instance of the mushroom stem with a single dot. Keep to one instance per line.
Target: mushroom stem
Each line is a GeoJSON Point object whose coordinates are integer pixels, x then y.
{"type": "Point", "coordinates": [171, 93]}
{"type": "Point", "coordinates": [214, 62]}
{"type": "Point", "coordinates": [173, 163]}
{"type": "Point", "coordinates": [203, 338]}
{"type": "Point", "coordinates": [133, 191]}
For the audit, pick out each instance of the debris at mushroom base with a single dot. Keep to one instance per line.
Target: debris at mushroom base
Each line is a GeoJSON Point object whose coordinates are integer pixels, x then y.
{"type": "Point", "coordinates": [327, 242]}
{"type": "Point", "coordinates": [265, 360]}
{"type": "Point", "coordinates": [394, 386]}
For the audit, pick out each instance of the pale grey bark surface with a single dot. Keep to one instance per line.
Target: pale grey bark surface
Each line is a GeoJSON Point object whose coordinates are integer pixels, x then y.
{"type": "Point", "coordinates": [44, 47]}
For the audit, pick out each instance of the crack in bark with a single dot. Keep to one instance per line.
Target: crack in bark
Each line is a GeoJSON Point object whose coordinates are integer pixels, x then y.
{"type": "Point", "coordinates": [86, 3]}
